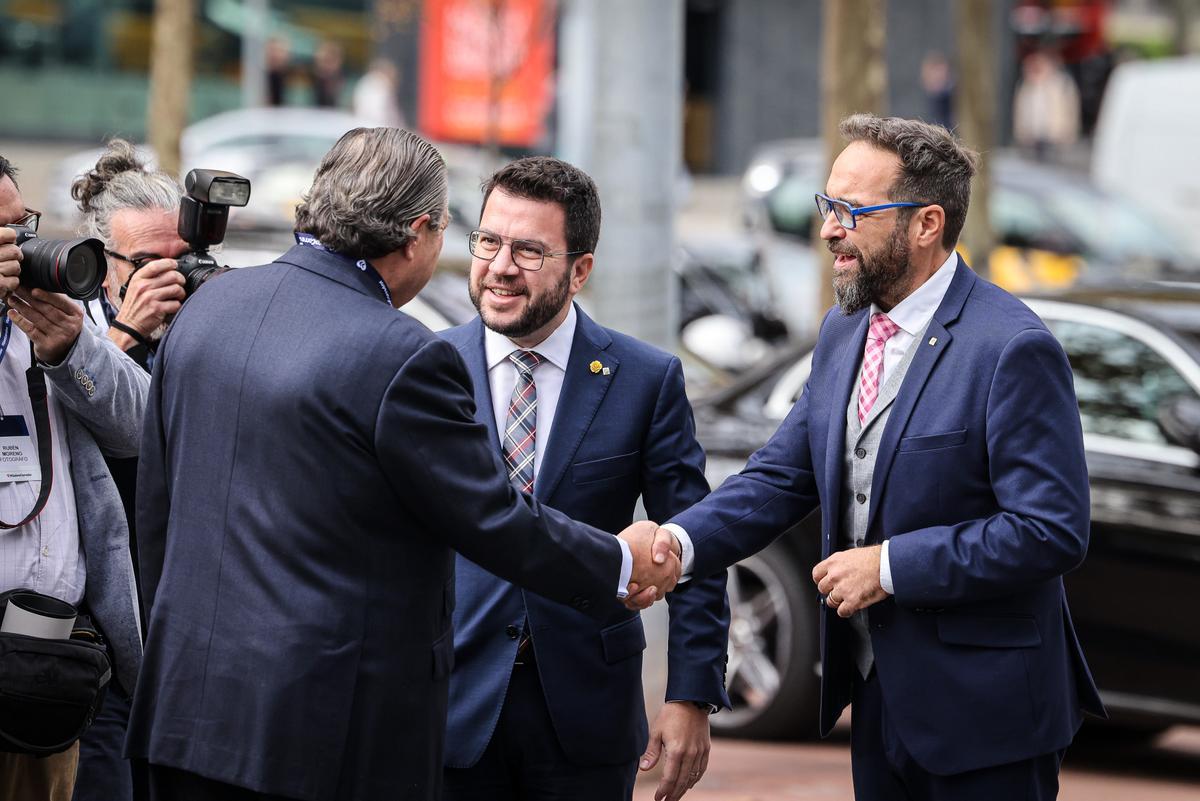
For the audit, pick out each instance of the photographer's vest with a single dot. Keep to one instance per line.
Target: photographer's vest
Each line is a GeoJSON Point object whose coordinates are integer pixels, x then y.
{"type": "Point", "coordinates": [858, 471]}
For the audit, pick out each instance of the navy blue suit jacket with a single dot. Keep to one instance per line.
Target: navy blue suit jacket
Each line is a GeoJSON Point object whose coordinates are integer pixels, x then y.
{"type": "Point", "coordinates": [615, 437]}
{"type": "Point", "coordinates": [981, 487]}
{"type": "Point", "coordinates": [310, 457]}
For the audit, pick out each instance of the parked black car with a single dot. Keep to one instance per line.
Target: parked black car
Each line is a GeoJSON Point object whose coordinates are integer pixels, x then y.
{"type": "Point", "coordinates": [1135, 353]}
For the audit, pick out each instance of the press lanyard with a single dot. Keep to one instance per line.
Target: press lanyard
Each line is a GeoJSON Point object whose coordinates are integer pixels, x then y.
{"type": "Point", "coordinates": [363, 265]}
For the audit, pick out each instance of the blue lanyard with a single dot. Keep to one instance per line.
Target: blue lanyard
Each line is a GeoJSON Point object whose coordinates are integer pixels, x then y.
{"type": "Point", "coordinates": [311, 241]}
{"type": "Point", "coordinates": [5, 335]}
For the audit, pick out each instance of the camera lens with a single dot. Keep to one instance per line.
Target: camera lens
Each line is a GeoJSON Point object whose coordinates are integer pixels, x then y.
{"type": "Point", "coordinates": [72, 267]}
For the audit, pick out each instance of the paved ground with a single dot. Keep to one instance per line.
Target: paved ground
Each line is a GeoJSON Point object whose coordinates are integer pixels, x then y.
{"type": "Point", "coordinates": [1167, 770]}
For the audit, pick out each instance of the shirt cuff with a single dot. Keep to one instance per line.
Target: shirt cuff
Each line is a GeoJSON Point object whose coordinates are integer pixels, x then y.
{"type": "Point", "coordinates": [626, 569]}
{"type": "Point", "coordinates": [885, 571]}
{"type": "Point", "coordinates": [687, 554]}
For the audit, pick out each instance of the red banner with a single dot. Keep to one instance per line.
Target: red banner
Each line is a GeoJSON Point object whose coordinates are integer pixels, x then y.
{"type": "Point", "coordinates": [486, 70]}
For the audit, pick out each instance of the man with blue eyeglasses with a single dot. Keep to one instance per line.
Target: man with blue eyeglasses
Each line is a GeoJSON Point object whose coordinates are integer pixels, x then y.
{"type": "Point", "coordinates": [939, 434]}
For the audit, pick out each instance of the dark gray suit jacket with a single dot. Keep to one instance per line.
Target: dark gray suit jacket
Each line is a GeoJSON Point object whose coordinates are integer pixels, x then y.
{"type": "Point", "coordinates": [310, 458]}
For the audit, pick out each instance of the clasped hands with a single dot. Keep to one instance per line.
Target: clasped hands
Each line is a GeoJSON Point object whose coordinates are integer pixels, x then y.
{"type": "Point", "coordinates": [656, 565]}
{"type": "Point", "coordinates": [848, 579]}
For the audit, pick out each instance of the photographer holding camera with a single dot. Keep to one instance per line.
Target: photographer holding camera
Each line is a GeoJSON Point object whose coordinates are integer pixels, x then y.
{"type": "Point", "coordinates": [135, 213]}
{"type": "Point", "coordinates": [68, 398]}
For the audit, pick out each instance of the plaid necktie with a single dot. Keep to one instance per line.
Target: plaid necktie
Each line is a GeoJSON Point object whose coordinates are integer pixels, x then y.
{"type": "Point", "coordinates": [519, 445]}
{"type": "Point", "coordinates": [881, 330]}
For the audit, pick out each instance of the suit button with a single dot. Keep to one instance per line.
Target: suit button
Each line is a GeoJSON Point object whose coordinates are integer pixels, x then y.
{"type": "Point", "coordinates": [512, 631]}
{"type": "Point", "coordinates": [583, 604]}
{"type": "Point", "coordinates": [860, 542]}
{"type": "Point", "coordinates": [861, 453]}
{"type": "Point", "coordinates": [860, 498]}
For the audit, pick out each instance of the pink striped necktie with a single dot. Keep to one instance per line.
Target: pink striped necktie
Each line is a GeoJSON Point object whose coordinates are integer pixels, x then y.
{"type": "Point", "coordinates": [881, 330]}
{"type": "Point", "coordinates": [519, 431]}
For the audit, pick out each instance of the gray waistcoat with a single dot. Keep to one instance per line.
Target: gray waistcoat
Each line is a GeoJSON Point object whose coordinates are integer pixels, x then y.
{"type": "Point", "coordinates": [858, 470]}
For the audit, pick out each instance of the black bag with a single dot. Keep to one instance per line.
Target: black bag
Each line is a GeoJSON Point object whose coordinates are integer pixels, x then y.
{"type": "Point", "coordinates": [50, 690]}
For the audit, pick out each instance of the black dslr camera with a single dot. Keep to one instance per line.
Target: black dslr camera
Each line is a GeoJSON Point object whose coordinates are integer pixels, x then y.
{"type": "Point", "coordinates": [203, 214]}
{"type": "Point", "coordinates": [72, 267]}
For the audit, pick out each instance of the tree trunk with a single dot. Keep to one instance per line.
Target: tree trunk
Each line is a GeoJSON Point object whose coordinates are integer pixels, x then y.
{"type": "Point", "coordinates": [975, 102]}
{"type": "Point", "coordinates": [170, 79]}
{"type": "Point", "coordinates": [853, 79]}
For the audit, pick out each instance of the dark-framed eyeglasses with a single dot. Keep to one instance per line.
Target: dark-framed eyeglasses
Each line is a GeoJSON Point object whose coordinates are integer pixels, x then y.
{"type": "Point", "coordinates": [526, 254]}
{"type": "Point", "coordinates": [138, 263]}
{"type": "Point", "coordinates": [30, 220]}
{"type": "Point", "coordinates": [846, 214]}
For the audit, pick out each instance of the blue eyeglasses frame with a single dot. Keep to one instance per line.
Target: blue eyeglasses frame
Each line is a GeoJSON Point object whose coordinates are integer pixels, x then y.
{"type": "Point", "coordinates": [833, 205]}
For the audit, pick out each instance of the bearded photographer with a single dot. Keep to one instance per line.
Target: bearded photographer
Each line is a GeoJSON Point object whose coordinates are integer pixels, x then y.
{"type": "Point", "coordinates": [65, 532]}
{"type": "Point", "coordinates": [134, 211]}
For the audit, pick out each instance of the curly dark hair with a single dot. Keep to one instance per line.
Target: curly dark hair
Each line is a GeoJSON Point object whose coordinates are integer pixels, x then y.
{"type": "Point", "coordinates": [554, 180]}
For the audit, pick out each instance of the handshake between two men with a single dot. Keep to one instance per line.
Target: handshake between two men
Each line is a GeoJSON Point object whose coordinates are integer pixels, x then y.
{"type": "Point", "coordinates": [849, 580]}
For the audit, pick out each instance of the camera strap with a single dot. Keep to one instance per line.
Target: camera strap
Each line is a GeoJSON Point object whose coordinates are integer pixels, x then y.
{"type": "Point", "coordinates": [38, 398]}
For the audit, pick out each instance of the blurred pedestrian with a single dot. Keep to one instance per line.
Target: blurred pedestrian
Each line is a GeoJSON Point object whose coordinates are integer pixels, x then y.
{"type": "Point", "coordinates": [1046, 108]}
{"type": "Point", "coordinates": [376, 95]}
{"type": "Point", "coordinates": [279, 70]}
{"type": "Point", "coordinates": [326, 75]}
{"type": "Point", "coordinates": [937, 79]}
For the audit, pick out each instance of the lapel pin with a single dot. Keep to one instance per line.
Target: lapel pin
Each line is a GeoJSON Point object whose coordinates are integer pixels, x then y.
{"type": "Point", "coordinates": [606, 371]}
{"type": "Point", "coordinates": [595, 367]}
{"type": "Point", "coordinates": [933, 340]}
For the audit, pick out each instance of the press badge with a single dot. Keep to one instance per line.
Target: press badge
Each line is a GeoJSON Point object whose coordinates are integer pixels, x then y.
{"type": "Point", "coordinates": [18, 457]}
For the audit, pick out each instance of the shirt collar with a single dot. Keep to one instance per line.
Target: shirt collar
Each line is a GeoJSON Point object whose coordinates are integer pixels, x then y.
{"type": "Point", "coordinates": [556, 348]}
{"type": "Point", "coordinates": [914, 312]}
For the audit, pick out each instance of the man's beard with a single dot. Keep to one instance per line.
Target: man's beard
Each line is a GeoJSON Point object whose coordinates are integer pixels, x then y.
{"type": "Point", "coordinates": [538, 311]}
{"type": "Point", "coordinates": [878, 277]}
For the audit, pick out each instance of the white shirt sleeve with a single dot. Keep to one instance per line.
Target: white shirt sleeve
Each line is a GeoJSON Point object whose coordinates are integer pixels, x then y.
{"type": "Point", "coordinates": [626, 569]}
{"type": "Point", "coordinates": [687, 553]}
{"type": "Point", "coordinates": [885, 571]}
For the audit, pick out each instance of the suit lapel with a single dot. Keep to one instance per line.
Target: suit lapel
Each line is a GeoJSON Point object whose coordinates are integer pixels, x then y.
{"type": "Point", "coordinates": [919, 370]}
{"type": "Point", "coordinates": [582, 392]}
{"type": "Point", "coordinates": [847, 362]}
{"type": "Point", "coordinates": [475, 356]}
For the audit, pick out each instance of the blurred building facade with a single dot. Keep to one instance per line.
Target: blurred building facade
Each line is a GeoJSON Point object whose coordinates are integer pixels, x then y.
{"type": "Point", "coordinates": [752, 71]}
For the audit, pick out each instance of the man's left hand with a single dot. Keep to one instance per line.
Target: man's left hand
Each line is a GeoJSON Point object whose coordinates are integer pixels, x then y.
{"type": "Point", "coordinates": [680, 730]}
{"type": "Point", "coordinates": [50, 320]}
{"type": "Point", "coordinates": [849, 579]}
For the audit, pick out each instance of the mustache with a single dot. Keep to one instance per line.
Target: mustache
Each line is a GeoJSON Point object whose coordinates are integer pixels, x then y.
{"type": "Point", "coordinates": [513, 286]}
{"type": "Point", "coordinates": [841, 248]}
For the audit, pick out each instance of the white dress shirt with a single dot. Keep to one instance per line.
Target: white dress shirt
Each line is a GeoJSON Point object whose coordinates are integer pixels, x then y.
{"type": "Point", "coordinates": [912, 315]}
{"type": "Point", "coordinates": [555, 351]}
{"type": "Point", "coordinates": [44, 554]}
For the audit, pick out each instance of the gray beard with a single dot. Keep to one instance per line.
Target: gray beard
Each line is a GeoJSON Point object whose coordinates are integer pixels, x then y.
{"type": "Point", "coordinates": [883, 275]}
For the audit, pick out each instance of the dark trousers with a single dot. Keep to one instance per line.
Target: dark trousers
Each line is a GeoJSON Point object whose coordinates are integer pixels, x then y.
{"type": "Point", "coordinates": [524, 762]}
{"type": "Point", "coordinates": [169, 784]}
{"type": "Point", "coordinates": [104, 774]}
{"type": "Point", "coordinates": [885, 771]}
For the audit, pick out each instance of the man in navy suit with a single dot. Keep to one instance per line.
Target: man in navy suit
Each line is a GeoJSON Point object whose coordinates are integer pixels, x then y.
{"type": "Point", "coordinates": [303, 475]}
{"type": "Point", "coordinates": [545, 702]}
{"type": "Point", "coordinates": [939, 434]}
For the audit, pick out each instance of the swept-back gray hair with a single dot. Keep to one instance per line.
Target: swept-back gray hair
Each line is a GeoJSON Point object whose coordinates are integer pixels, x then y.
{"type": "Point", "coordinates": [120, 180]}
{"type": "Point", "coordinates": [935, 167]}
{"type": "Point", "coordinates": [370, 188]}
